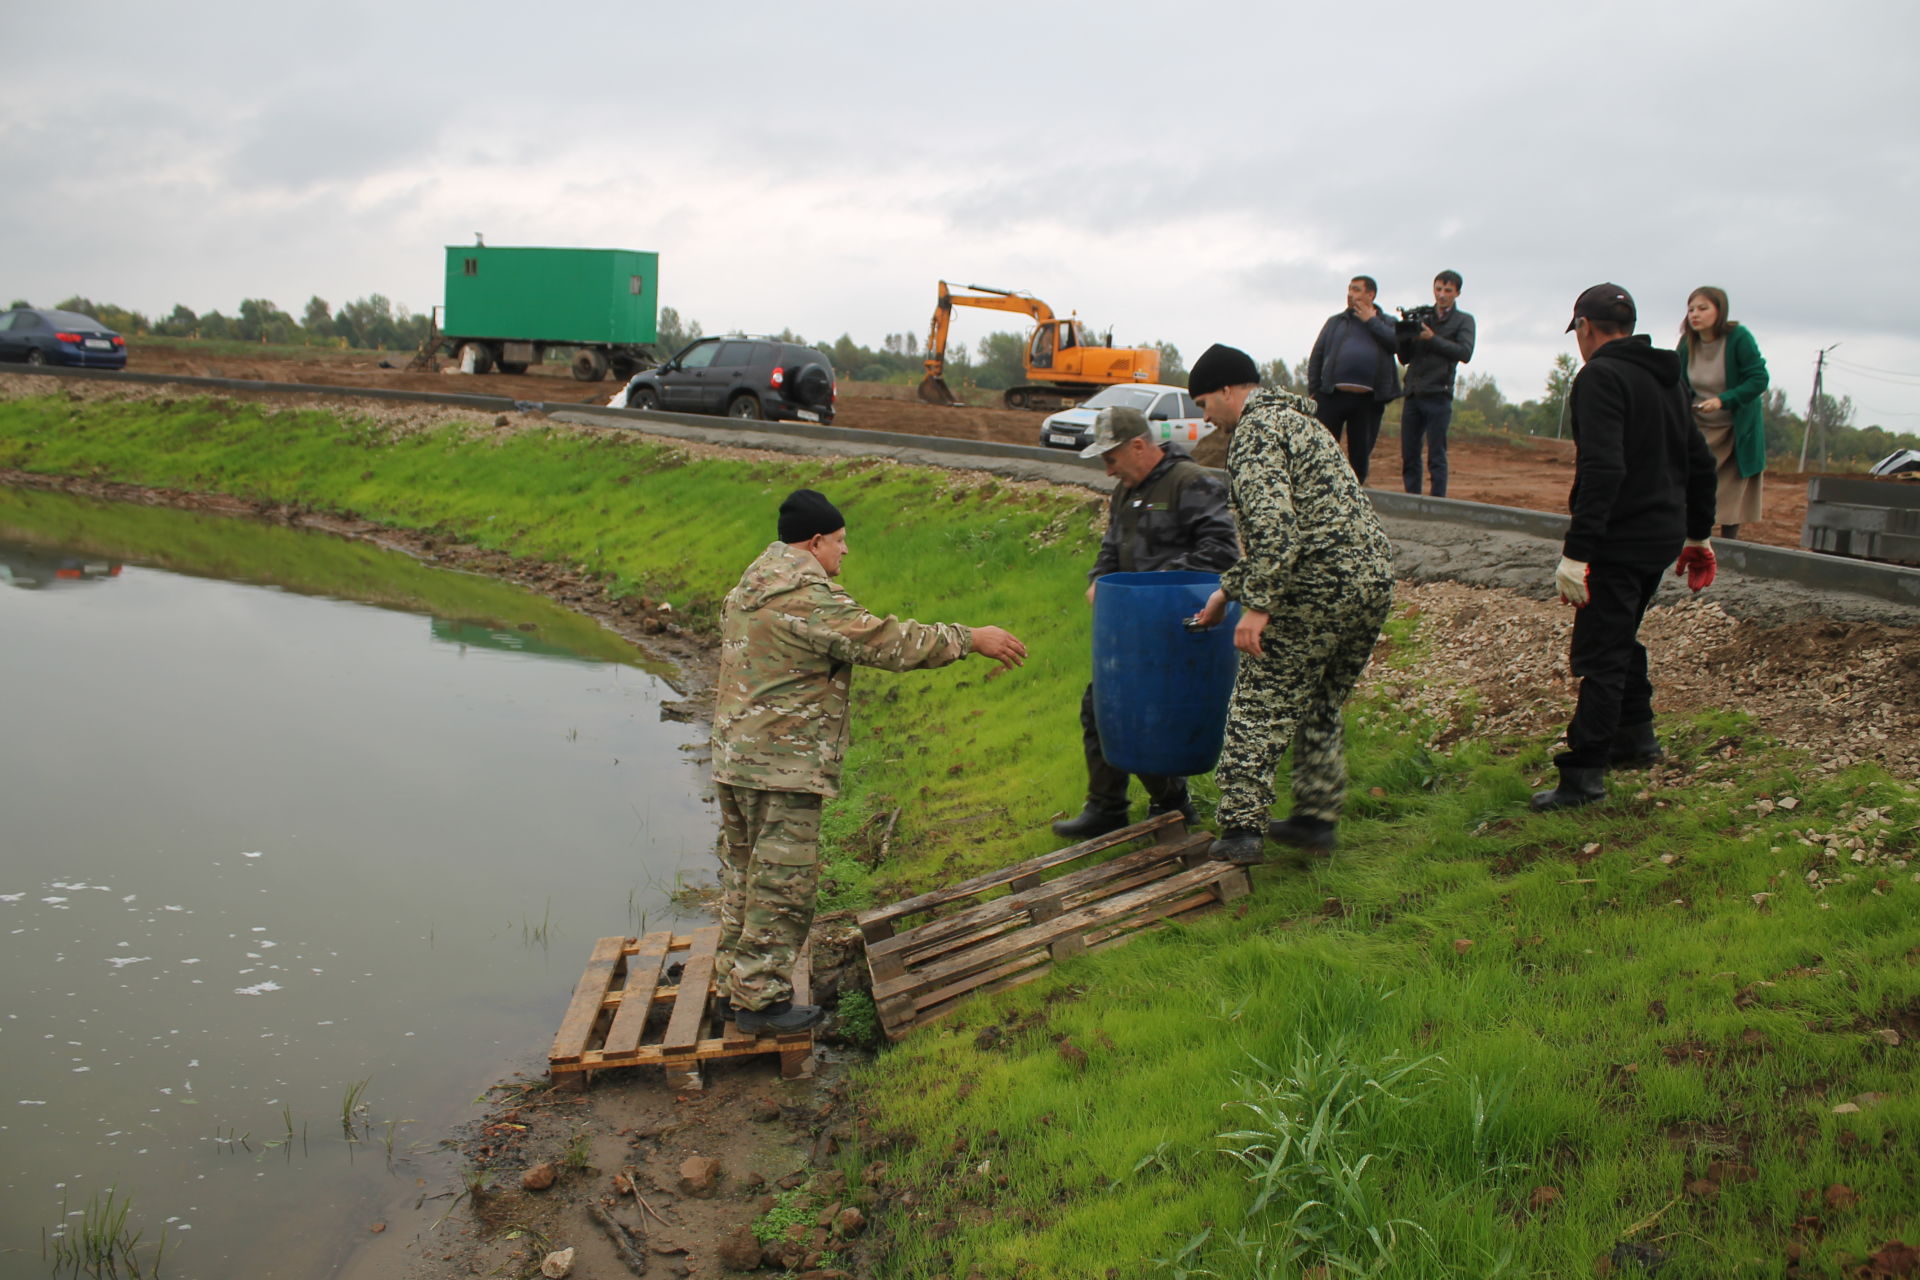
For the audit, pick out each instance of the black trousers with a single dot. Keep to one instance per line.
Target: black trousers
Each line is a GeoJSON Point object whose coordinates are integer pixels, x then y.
{"type": "Point", "coordinates": [1610, 661]}
{"type": "Point", "coordinates": [1358, 414]}
{"type": "Point", "coordinates": [1106, 785]}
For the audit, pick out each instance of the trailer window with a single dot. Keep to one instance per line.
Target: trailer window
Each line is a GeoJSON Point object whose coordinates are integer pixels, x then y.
{"type": "Point", "coordinates": [633, 285]}
{"type": "Point", "coordinates": [471, 267]}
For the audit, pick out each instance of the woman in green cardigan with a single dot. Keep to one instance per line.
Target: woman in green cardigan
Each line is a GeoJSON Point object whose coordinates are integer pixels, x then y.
{"type": "Point", "coordinates": [1726, 377]}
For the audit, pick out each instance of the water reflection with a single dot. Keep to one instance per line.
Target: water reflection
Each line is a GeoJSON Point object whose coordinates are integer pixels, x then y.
{"type": "Point", "coordinates": [33, 567]}
{"type": "Point", "coordinates": [267, 858]}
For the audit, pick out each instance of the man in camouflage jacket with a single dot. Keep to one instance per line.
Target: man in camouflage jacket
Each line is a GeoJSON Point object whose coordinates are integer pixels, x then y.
{"type": "Point", "coordinates": [789, 639]}
{"type": "Point", "coordinates": [1314, 584]}
{"type": "Point", "coordinates": [1167, 513]}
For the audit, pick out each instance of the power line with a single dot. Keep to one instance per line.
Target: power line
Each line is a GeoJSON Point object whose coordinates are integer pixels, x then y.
{"type": "Point", "coordinates": [1870, 368]}
{"type": "Point", "coordinates": [1896, 380]}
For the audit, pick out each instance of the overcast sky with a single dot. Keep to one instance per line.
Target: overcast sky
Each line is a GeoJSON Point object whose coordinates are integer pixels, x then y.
{"type": "Point", "coordinates": [1192, 173]}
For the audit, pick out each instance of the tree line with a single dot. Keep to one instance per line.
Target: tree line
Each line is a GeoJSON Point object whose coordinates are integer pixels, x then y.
{"type": "Point", "coordinates": [372, 323]}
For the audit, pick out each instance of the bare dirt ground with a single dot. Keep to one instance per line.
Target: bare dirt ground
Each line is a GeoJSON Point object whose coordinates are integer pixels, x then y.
{"type": "Point", "coordinates": [632, 1192]}
{"type": "Point", "coordinates": [1527, 472]}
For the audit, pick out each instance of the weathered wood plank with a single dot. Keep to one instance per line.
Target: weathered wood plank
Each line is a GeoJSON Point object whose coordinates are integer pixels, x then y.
{"type": "Point", "coordinates": [904, 1012]}
{"type": "Point", "coordinates": [643, 976]}
{"type": "Point", "coordinates": [870, 921]}
{"type": "Point", "coordinates": [946, 929]}
{"type": "Point", "coordinates": [1095, 915]}
{"type": "Point", "coordinates": [696, 983]}
{"type": "Point", "coordinates": [608, 960]}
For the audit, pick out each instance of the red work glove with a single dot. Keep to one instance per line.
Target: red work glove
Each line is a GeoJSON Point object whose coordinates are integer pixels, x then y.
{"type": "Point", "coordinates": [1697, 563]}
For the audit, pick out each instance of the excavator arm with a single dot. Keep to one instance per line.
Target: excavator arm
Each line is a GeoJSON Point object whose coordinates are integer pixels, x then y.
{"type": "Point", "coordinates": [933, 387]}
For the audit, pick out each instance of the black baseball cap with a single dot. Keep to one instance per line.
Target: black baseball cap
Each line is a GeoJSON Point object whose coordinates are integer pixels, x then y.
{"type": "Point", "coordinates": [1605, 302]}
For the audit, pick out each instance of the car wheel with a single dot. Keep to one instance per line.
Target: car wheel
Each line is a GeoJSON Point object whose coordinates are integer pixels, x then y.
{"type": "Point", "coordinates": [481, 355]}
{"type": "Point", "coordinates": [746, 406]}
{"type": "Point", "coordinates": [814, 386]}
{"type": "Point", "coordinates": [643, 398]}
{"type": "Point", "coordinates": [589, 366]}
{"type": "Point", "coordinates": [36, 356]}
{"type": "Point", "coordinates": [513, 366]}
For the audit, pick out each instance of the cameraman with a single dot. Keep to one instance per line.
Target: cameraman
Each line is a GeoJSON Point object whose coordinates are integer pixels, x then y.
{"type": "Point", "coordinates": [1351, 374]}
{"type": "Point", "coordinates": [1431, 354]}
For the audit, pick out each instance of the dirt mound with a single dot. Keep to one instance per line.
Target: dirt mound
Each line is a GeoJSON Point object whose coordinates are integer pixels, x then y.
{"type": "Point", "coordinates": [1843, 692]}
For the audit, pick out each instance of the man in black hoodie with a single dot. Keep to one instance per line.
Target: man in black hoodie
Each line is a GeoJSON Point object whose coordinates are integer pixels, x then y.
{"type": "Point", "coordinates": [1643, 493]}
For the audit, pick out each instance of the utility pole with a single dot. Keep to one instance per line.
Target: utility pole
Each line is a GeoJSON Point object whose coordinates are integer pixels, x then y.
{"type": "Point", "coordinates": [1813, 407]}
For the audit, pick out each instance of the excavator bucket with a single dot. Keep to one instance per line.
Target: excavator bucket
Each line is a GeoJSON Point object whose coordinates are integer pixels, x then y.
{"type": "Point", "coordinates": [934, 391]}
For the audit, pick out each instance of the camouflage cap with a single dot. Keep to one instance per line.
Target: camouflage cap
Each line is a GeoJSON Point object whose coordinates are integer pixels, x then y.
{"type": "Point", "coordinates": [1113, 428]}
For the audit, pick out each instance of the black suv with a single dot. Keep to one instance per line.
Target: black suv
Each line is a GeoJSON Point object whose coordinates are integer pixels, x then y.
{"type": "Point", "coordinates": [741, 377]}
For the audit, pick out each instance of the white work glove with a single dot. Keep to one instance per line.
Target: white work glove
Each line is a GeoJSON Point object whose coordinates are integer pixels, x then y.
{"type": "Point", "coordinates": [1571, 579]}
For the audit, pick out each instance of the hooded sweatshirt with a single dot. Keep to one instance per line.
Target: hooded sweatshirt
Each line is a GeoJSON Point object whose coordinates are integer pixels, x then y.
{"type": "Point", "coordinates": [790, 637]}
{"type": "Point", "coordinates": [1643, 477]}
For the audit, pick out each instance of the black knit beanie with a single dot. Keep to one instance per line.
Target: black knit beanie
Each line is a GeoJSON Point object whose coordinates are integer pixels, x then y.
{"type": "Point", "coordinates": [807, 513]}
{"type": "Point", "coordinates": [1220, 366]}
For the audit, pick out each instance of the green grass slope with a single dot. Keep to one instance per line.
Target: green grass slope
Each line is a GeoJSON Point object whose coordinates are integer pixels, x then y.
{"type": "Point", "coordinates": [1673, 1035]}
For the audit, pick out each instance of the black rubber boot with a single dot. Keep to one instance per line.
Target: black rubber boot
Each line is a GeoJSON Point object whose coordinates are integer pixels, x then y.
{"type": "Point", "coordinates": [1240, 846]}
{"type": "Point", "coordinates": [1635, 747]}
{"type": "Point", "coordinates": [1577, 787]}
{"type": "Point", "coordinates": [1171, 803]}
{"type": "Point", "coordinates": [1093, 821]}
{"type": "Point", "coordinates": [782, 1017]}
{"type": "Point", "coordinates": [1316, 835]}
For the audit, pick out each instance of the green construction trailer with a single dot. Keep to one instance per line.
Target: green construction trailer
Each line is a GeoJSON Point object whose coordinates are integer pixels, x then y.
{"type": "Point", "coordinates": [507, 306]}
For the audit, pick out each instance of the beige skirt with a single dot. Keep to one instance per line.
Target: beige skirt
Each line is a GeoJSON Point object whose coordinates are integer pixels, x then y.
{"type": "Point", "coordinates": [1739, 499]}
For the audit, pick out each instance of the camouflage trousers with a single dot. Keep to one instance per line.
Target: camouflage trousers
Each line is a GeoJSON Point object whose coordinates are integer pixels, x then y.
{"type": "Point", "coordinates": [769, 877]}
{"type": "Point", "coordinates": [1316, 644]}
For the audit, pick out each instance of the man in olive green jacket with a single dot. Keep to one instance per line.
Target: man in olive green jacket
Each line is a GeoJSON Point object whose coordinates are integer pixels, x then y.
{"type": "Point", "coordinates": [790, 638]}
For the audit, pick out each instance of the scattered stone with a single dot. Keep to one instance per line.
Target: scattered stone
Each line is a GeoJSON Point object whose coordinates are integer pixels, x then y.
{"type": "Point", "coordinates": [1703, 1188]}
{"type": "Point", "coordinates": [1889, 1035]}
{"type": "Point", "coordinates": [699, 1177]}
{"type": "Point", "coordinates": [753, 1183]}
{"type": "Point", "coordinates": [1542, 1197]}
{"type": "Point", "coordinates": [739, 1251]}
{"type": "Point", "coordinates": [557, 1264]}
{"type": "Point", "coordinates": [764, 1109]}
{"type": "Point", "coordinates": [791, 1180]}
{"type": "Point", "coordinates": [831, 1183]}
{"type": "Point", "coordinates": [850, 1222]}
{"type": "Point", "coordinates": [540, 1176]}
{"type": "Point", "coordinates": [377, 1228]}
{"type": "Point", "coordinates": [1462, 945]}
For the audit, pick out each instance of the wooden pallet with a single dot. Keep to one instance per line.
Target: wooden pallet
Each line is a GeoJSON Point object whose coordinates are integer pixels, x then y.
{"type": "Point", "coordinates": [625, 1014]}
{"type": "Point", "coordinates": [921, 973]}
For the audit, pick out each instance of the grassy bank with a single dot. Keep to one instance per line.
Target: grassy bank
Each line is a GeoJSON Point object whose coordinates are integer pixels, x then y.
{"type": "Point", "coordinates": [1476, 1043]}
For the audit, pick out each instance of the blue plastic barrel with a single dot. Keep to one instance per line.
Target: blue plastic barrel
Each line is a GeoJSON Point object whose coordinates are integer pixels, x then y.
{"type": "Point", "coordinates": [1160, 691]}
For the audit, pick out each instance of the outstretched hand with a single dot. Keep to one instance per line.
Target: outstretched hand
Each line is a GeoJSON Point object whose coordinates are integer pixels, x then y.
{"type": "Point", "coordinates": [1000, 645]}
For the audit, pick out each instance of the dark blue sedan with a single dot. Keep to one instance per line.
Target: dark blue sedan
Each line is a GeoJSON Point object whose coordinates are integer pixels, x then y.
{"type": "Point", "coordinates": [59, 337]}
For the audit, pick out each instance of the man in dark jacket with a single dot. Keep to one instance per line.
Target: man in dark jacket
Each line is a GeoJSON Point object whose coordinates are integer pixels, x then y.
{"type": "Point", "coordinates": [1432, 356]}
{"type": "Point", "coordinates": [1352, 373]}
{"type": "Point", "coordinates": [1643, 493]}
{"type": "Point", "coordinates": [1168, 512]}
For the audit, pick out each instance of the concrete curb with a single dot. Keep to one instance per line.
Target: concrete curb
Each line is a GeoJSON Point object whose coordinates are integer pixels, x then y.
{"type": "Point", "coordinates": [1031, 462]}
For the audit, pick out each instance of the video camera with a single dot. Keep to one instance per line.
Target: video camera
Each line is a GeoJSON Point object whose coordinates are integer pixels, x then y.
{"type": "Point", "coordinates": [1412, 318]}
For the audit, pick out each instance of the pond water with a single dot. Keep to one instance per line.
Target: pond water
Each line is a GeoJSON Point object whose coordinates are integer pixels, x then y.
{"type": "Point", "coordinates": [269, 854]}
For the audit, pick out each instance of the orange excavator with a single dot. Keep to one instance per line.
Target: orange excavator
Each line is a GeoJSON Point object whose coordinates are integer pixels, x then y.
{"type": "Point", "coordinates": [1065, 361]}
